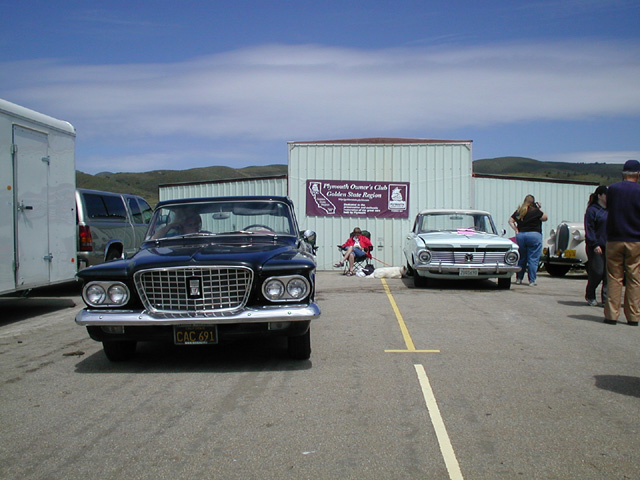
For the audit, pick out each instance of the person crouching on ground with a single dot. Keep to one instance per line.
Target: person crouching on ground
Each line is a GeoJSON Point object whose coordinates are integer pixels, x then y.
{"type": "Point", "coordinates": [356, 246]}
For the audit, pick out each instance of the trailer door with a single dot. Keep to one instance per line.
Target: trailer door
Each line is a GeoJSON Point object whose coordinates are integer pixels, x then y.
{"type": "Point", "coordinates": [31, 170]}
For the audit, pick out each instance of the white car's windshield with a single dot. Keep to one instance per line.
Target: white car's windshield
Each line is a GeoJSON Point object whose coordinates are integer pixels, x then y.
{"type": "Point", "coordinates": [212, 218]}
{"type": "Point", "coordinates": [435, 222]}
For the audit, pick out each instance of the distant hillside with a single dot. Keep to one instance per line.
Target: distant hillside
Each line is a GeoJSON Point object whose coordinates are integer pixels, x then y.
{"type": "Point", "coordinates": [146, 184]}
{"type": "Point", "coordinates": [601, 173]}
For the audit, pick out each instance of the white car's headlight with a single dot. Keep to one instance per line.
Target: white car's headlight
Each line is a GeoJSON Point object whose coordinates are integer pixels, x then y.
{"type": "Point", "coordinates": [105, 294]}
{"type": "Point", "coordinates": [577, 236]}
{"type": "Point", "coordinates": [511, 257]}
{"type": "Point", "coordinates": [424, 256]}
{"type": "Point", "coordinates": [290, 288]}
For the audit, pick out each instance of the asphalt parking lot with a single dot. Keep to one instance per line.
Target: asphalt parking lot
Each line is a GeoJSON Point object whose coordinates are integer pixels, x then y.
{"type": "Point", "coordinates": [458, 380]}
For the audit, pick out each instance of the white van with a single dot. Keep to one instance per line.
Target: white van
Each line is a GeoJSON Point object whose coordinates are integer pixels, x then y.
{"type": "Point", "coordinates": [110, 225]}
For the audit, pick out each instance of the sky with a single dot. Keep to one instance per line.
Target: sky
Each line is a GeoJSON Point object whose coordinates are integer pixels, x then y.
{"type": "Point", "coordinates": [154, 85]}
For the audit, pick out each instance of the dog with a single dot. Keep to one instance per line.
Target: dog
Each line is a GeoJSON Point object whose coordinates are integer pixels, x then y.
{"type": "Point", "coordinates": [389, 272]}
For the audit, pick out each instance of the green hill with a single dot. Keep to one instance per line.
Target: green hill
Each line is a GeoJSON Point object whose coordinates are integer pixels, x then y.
{"type": "Point", "coordinates": [146, 184]}
{"type": "Point", "coordinates": [601, 173]}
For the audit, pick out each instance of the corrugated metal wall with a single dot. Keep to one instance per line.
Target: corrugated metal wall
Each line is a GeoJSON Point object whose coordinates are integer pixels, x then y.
{"type": "Point", "coordinates": [439, 176]}
{"type": "Point", "coordinates": [276, 185]}
{"type": "Point", "coordinates": [502, 196]}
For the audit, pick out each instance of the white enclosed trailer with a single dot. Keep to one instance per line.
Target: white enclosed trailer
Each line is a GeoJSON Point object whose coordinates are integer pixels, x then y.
{"type": "Point", "coordinates": [37, 199]}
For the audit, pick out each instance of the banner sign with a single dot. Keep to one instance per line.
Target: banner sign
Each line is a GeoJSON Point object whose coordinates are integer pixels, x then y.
{"type": "Point", "coordinates": [346, 198]}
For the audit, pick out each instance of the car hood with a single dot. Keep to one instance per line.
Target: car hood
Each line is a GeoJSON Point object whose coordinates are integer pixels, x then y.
{"type": "Point", "coordinates": [258, 254]}
{"type": "Point", "coordinates": [464, 239]}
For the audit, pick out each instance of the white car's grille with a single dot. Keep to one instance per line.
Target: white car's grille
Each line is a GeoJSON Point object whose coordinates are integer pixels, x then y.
{"type": "Point", "coordinates": [467, 257]}
{"type": "Point", "coordinates": [194, 289]}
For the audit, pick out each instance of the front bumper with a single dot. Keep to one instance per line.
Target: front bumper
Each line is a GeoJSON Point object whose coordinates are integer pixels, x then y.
{"type": "Point", "coordinates": [276, 313]}
{"type": "Point", "coordinates": [564, 260]}
{"type": "Point", "coordinates": [451, 270]}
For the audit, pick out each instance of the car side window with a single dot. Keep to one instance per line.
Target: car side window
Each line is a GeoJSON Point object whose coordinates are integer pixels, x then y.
{"type": "Point", "coordinates": [135, 210]}
{"type": "Point", "coordinates": [147, 211]}
{"type": "Point", "coordinates": [104, 206]}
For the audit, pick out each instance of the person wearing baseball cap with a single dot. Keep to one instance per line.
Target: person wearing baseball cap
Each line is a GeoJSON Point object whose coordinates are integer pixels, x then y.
{"type": "Point", "coordinates": [623, 246]}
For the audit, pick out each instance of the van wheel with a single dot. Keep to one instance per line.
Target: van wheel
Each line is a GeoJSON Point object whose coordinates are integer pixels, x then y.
{"type": "Point", "coordinates": [119, 350]}
{"type": "Point", "coordinates": [299, 348]}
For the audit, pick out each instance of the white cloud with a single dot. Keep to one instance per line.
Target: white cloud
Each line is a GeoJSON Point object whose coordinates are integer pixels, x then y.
{"type": "Point", "coordinates": [280, 93]}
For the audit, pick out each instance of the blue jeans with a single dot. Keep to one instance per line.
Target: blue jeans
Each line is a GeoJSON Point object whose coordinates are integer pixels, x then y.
{"type": "Point", "coordinates": [530, 244]}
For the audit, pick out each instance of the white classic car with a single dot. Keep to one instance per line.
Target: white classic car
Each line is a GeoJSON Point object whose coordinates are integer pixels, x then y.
{"type": "Point", "coordinates": [459, 244]}
{"type": "Point", "coordinates": [565, 249]}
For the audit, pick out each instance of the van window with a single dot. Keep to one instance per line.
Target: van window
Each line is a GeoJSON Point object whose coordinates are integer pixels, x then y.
{"type": "Point", "coordinates": [104, 206]}
{"type": "Point", "coordinates": [135, 210]}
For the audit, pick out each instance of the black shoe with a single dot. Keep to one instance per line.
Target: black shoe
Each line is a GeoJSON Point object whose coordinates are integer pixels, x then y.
{"type": "Point", "coordinates": [633, 324]}
{"type": "Point", "coordinates": [610, 322]}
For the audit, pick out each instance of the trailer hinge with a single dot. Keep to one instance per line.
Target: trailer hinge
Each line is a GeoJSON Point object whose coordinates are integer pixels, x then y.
{"type": "Point", "coordinates": [46, 160]}
{"type": "Point", "coordinates": [14, 149]}
{"type": "Point", "coordinates": [48, 258]}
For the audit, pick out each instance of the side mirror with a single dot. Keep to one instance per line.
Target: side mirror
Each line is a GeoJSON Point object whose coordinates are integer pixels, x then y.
{"type": "Point", "coordinates": [309, 236]}
{"type": "Point", "coordinates": [503, 232]}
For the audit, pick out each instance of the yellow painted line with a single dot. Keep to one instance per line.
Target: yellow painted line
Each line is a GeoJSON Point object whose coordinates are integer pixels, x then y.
{"type": "Point", "coordinates": [449, 456]}
{"type": "Point", "coordinates": [411, 348]}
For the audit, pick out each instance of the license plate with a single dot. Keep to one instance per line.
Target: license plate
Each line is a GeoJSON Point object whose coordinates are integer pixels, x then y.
{"type": "Point", "coordinates": [570, 254]}
{"type": "Point", "coordinates": [468, 272]}
{"type": "Point", "coordinates": [195, 335]}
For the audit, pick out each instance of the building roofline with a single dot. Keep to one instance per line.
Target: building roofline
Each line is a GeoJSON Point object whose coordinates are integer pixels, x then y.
{"type": "Point", "coordinates": [378, 140]}
{"type": "Point", "coordinates": [224, 180]}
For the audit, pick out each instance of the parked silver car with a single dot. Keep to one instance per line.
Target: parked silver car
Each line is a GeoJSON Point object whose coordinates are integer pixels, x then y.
{"type": "Point", "coordinates": [565, 249]}
{"type": "Point", "coordinates": [459, 244]}
{"type": "Point", "coordinates": [110, 225]}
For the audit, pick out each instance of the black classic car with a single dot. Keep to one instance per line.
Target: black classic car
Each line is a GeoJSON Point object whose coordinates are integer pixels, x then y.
{"type": "Point", "coordinates": [209, 269]}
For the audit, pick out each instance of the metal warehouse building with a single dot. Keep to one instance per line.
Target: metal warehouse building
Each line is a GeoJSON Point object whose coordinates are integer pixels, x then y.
{"type": "Point", "coordinates": [380, 184]}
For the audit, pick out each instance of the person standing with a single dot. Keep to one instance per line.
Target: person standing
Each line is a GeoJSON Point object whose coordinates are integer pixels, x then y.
{"type": "Point", "coordinates": [595, 230]}
{"type": "Point", "coordinates": [526, 221]}
{"type": "Point", "coordinates": [623, 246]}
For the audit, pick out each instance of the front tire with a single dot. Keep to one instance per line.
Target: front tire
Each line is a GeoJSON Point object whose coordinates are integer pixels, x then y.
{"type": "Point", "coordinates": [299, 348]}
{"type": "Point", "coordinates": [556, 270]}
{"type": "Point", "coordinates": [119, 350]}
{"type": "Point", "coordinates": [419, 281]}
{"type": "Point", "coordinates": [504, 283]}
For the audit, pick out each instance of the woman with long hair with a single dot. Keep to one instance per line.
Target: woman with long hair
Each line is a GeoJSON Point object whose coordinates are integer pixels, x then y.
{"type": "Point", "coordinates": [526, 221]}
{"type": "Point", "coordinates": [595, 232]}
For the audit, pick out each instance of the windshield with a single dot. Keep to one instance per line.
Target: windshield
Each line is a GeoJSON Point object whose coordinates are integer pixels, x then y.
{"type": "Point", "coordinates": [232, 217]}
{"type": "Point", "coordinates": [472, 222]}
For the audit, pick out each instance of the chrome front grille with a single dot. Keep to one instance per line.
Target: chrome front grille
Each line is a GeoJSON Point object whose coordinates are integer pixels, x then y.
{"type": "Point", "coordinates": [563, 237]}
{"type": "Point", "coordinates": [468, 257]}
{"type": "Point", "coordinates": [191, 290]}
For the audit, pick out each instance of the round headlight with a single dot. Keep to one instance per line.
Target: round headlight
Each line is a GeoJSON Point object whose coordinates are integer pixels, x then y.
{"type": "Point", "coordinates": [511, 257]}
{"type": "Point", "coordinates": [95, 294]}
{"type": "Point", "coordinates": [424, 256]}
{"type": "Point", "coordinates": [118, 294]}
{"type": "Point", "coordinates": [297, 288]}
{"type": "Point", "coordinates": [274, 289]}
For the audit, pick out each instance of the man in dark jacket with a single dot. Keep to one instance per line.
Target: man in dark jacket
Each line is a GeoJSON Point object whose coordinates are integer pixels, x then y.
{"type": "Point", "coordinates": [623, 246]}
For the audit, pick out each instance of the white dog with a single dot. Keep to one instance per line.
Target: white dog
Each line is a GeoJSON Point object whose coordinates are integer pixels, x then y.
{"type": "Point", "coordinates": [389, 272]}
